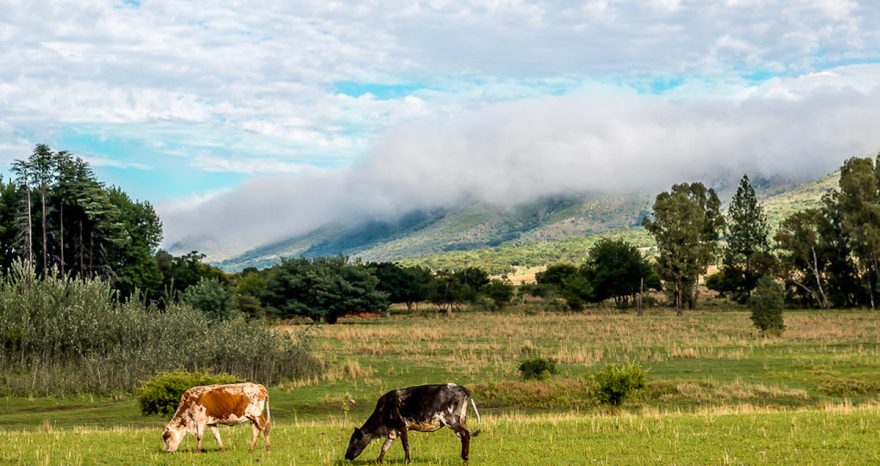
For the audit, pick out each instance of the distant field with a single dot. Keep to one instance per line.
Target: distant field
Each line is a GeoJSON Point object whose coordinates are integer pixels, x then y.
{"type": "Point", "coordinates": [718, 393]}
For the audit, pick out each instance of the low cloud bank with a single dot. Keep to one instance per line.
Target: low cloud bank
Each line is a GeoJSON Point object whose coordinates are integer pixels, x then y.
{"type": "Point", "coordinates": [599, 139]}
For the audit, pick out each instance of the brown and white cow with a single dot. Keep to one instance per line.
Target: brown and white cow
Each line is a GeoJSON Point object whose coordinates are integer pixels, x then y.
{"type": "Point", "coordinates": [425, 408]}
{"type": "Point", "coordinates": [210, 405]}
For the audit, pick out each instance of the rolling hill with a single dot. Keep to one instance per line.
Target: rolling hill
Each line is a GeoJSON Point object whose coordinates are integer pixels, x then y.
{"type": "Point", "coordinates": [537, 233]}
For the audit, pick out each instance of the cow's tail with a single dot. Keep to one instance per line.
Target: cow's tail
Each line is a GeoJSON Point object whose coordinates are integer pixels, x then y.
{"type": "Point", "coordinates": [268, 415]}
{"type": "Point", "coordinates": [479, 422]}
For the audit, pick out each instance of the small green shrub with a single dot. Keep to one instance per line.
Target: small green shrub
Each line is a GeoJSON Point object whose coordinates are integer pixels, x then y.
{"type": "Point", "coordinates": [615, 384]}
{"type": "Point", "coordinates": [161, 393]}
{"type": "Point", "coordinates": [538, 368]}
{"type": "Point", "coordinates": [767, 302]}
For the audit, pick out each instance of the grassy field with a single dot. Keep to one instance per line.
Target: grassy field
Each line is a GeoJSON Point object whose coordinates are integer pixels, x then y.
{"type": "Point", "coordinates": [718, 394]}
{"type": "Point", "coordinates": [843, 436]}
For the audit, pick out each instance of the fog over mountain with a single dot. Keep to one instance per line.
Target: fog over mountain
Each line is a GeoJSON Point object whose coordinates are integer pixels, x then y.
{"type": "Point", "coordinates": [599, 138]}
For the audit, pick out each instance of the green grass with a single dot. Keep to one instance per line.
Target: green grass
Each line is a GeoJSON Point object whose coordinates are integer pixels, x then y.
{"type": "Point", "coordinates": [717, 393]}
{"type": "Point", "coordinates": [826, 437]}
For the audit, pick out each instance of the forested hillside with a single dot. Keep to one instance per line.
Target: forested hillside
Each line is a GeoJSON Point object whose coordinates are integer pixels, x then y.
{"type": "Point", "coordinates": [538, 233]}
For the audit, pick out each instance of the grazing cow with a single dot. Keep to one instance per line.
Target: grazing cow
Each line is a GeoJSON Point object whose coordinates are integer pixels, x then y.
{"type": "Point", "coordinates": [425, 408]}
{"type": "Point", "coordinates": [210, 405]}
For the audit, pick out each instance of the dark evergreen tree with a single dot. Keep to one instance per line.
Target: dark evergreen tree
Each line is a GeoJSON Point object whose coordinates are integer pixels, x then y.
{"type": "Point", "coordinates": [746, 256]}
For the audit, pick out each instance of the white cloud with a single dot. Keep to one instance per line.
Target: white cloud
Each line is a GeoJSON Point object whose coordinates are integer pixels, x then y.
{"type": "Point", "coordinates": [603, 139]}
{"type": "Point", "coordinates": [98, 161]}
{"type": "Point", "coordinates": [251, 87]}
{"type": "Point", "coordinates": [269, 68]}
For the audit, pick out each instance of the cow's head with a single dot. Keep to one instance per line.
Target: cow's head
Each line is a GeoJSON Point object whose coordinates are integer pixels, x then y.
{"type": "Point", "coordinates": [172, 436]}
{"type": "Point", "coordinates": [357, 443]}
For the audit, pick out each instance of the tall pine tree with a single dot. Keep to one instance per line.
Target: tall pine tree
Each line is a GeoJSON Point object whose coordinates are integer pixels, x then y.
{"type": "Point", "coordinates": [746, 256]}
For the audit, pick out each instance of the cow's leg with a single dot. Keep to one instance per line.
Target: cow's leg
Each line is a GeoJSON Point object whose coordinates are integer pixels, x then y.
{"type": "Point", "coordinates": [200, 432]}
{"type": "Point", "coordinates": [385, 447]}
{"type": "Point", "coordinates": [465, 436]}
{"type": "Point", "coordinates": [405, 442]}
{"type": "Point", "coordinates": [256, 428]}
{"type": "Point", "coordinates": [267, 424]}
{"type": "Point", "coordinates": [216, 432]}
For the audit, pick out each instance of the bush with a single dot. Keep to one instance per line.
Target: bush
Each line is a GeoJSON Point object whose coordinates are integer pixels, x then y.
{"type": "Point", "coordinates": [161, 393]}
{"type": "Point", "coordinates": [212, 298]}
{"type": "Point", "coordinates": [538, 368]}
{"type": "Point", "coordinates": [615, 384]}
{"type": "Point", "coordinates": [500, 292]}
{"type": "Point", "coordinates": [767, 302]}
{"type": "Point", "coordinates": [62, 335]}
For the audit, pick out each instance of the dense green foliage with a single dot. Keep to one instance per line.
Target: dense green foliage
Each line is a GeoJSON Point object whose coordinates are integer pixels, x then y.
{"type": "Point", "coordinates": [828, 255]}
{"type": "Point", "coordinates": [766, 304]}
{"type": "Point", "coordinates": [616, 269]}
{"type": "Point", "coordinates": [160, 394]}
{"type": "Point", "coordinates": [66, 335]}
{"type": "Point", "coordinates": [746, 255]}
{"type": "Point", "coordinates": [499, 291]}
{"type": "Point", "coordinates": [67, 219]}
{"type": "Point", "coordinates": [407, 285]}
{"type": "Point", "coordinates": [617, 383]}
{"type": "Point", "coordinates": [212, 298]}
{"type": "Point", "coordinates": [568, 282]}
{"type": "Point", "coordinates": [537, 368]}
{"type": "Point", "coordinates": [686, 223]}
{"type": "Point", "coordinates": [322, 289]}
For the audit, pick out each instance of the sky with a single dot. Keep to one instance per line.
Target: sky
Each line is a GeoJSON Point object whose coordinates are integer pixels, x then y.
{"type": "Point", "coordinates": [246, 122]}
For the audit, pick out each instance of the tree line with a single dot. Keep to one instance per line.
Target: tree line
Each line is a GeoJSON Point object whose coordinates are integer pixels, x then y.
{"type": "Point", "coordinates": [56, 215]}
{"type": "Point", "coordinates": [824, 257]}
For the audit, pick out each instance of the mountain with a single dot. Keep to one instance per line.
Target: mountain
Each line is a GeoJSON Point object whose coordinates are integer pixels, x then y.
{"type": "Point", "coordinates": [498, 238]}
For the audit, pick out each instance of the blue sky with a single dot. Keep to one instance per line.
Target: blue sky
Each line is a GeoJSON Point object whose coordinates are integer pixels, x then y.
{"type": "Point", "coordinates": [209, 110]}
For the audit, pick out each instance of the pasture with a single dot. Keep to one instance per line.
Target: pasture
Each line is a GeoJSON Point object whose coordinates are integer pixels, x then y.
{"type": "Point", "coordinates": [717, 394]}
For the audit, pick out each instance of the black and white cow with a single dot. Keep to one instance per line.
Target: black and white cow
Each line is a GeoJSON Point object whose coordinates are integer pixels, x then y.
{"type": "Point", "coordinates": [425, 408]}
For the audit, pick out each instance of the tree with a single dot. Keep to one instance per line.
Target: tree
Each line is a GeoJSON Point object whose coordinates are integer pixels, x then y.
{"type": "Point", "coordinates": [249, 284]}
{"type": "Point", "coordinates": [556, 274]}
{"type": "Point", "coordinates": [767, 303]}
{"type": "Point", "coordinates": [322, 288]}
{"type": "Point", "coordinates": [615, 269]}
{"type": "Point", "coordinates": [802, 259]}
{"type": "Point", "coordinates": [577, 291]}
{"type": "Point", "coordinates": [212, 298]}
{"type": "Point", "coordinates": [407, 285]}
{"type": "Point", "coordinates": [473, 279]}
{"type": "Point", "coordinates": [10, 203]}
{"type": "Point", "coordinates": [499, 291]}
{"type": "Point", "coordinates": [181, 272]}
{"type": "Point", "coordinates": [685, 223]}
{"type": "Point", "coordinates": [859, 201]}
{"type": "Point", "coordinates": [134, 235]}
{"type": "Point", "coordinates": [448, 290]}
{"type": "Point", "coordinates": [746, 256]}
{"type": "Point", "coordinates": [42, 171]}
{"type": "Point", "coordinates": [24, 223]}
